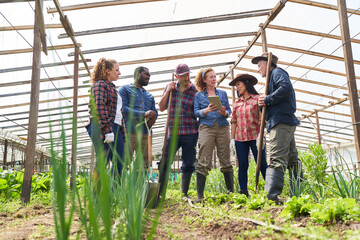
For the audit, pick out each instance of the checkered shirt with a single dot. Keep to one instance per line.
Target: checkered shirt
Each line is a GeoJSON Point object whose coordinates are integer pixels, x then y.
{"type": "Point", "coordinates": [188, 121]}
{"type": "Point", "coordinates": [105, 96]}
{"type": "Point", "coordinates": [247, 116]}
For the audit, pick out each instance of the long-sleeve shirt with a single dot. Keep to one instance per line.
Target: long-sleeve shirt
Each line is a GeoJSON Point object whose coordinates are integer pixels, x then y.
{"type": "Point", "coordinates": [280, 102]}
{"type": "Point", "coordinates": [106, 97]}
{"type": "Point", "coordinates": [136, 102]}
{"type": "Point", "coordinates": [187, 119]}
{"type": "Point", "coordinates": [201, 102]}
{"type": "Point", "coordinates": [247, 116]}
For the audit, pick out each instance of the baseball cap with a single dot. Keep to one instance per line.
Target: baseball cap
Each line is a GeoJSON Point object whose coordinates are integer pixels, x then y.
{"type": "Point", "coordinates": [182, 69]}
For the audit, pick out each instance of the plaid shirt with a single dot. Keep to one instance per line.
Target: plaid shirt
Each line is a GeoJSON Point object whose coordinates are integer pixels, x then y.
{"type": "Point", "coordinates": [105, 96]}
{"type": "Point", "coordinates": [188, 123]}
{"type": "Point", "coordinates": [247, 116]}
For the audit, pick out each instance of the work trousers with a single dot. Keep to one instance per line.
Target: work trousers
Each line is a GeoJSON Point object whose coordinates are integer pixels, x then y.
{"type": "Point", "coordinates": [283, 152]}
{"type": "Point", "coordinates": [209, 137]}
{"type": "Point", "coordinates": [144, 147]}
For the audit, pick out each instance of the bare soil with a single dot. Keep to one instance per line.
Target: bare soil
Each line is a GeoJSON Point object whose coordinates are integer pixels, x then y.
{"type": "Point", "coordinates": [177, 221]}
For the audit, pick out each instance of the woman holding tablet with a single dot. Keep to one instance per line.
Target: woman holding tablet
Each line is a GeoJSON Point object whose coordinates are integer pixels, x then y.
{"type": "Point", "coordinates": [245, 126]}
{"type": "Point", "coordinates": [213, 131]}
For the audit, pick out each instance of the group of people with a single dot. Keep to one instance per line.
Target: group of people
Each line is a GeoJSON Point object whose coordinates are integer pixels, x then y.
{"type": "Point", "coordinates": [200, 122]}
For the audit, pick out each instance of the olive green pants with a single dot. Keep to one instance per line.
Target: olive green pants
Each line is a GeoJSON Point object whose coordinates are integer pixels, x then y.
{"type": "Point", "coordinates": [283, 152]}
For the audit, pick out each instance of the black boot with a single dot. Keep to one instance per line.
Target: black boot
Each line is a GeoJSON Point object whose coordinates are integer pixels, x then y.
{"type": "Point", "coordinates": [229, 181]}
{"type": "Point", "coordinates": [200, 185]}
{"type": "Point", "coordinates": [295, 179]}
{"type": "Point", "coordinates": [274, 184]}
{"type": "Point", "coordinates": [185, 183]}
{"type": "Point", "coordinates": [246, 192]}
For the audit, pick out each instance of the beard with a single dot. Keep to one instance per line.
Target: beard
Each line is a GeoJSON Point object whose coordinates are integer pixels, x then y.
{"type": "Point", "coordinates": [143, 82]}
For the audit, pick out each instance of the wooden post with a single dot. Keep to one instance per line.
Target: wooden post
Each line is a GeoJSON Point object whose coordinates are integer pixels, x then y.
{"type": "Point", "coordinates": [13, 156]}
{"type": "Point", "coordinates": [350, 73]}
{"type": "Point", "coordinates": [5, 154]}
{"type": "Point", "coordinates": [263, 38]}
{"type": "Point", "coordinates": [34, 108]}
{"type": "Point", "coordinates": [75, 109]}
{"type": "Point", "coordinates": [233, 96]}
{"type": "Point", "coordinates": [262, 126]}
{"type": "Point", "coordinates": [42, 162]}
{"type": "Point", "coordinates": [318, 127]}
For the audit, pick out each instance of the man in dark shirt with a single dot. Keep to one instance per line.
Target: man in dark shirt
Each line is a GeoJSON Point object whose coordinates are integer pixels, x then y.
{"type": "Point", "coordinates": [281, 123]}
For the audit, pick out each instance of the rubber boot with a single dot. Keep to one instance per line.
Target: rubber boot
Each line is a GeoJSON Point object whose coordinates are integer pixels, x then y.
{"type": "Point", "coordinates": [246, 192]}
{"type": "Point", "coordinates": [185, 183]}
{"type": "Point", "coordinates": [229, 181]}
{"type": "Point", "coordinates": [295, 179]}
{"type": "Point", "coordinates": [274, 184]}
{"type": "Point", "coordinates": [200, 186]}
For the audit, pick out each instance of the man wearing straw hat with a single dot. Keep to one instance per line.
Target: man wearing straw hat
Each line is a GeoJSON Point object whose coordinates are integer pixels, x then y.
{"type": "Point", "coordinates": [138, 107]}
{"type": "Point", "coordinates": [281, 123]}
{"type": "Point", "coordinates": [182, 101]}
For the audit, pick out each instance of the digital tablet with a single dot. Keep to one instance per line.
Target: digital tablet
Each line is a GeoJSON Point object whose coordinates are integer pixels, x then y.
{"type": "Point", "coordinates": [215, 100]}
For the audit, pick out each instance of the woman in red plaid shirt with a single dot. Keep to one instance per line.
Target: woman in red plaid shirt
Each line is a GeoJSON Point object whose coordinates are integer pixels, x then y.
{"type": "Point", "coordinates": [104, 127]}
{"type": "Point", "coordinates": [245, 126]}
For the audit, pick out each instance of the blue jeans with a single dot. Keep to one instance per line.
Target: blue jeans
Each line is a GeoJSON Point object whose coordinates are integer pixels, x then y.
{"type": "Point", "coordinates": [242, 152]}
{"type": "Point", "coordinates": [107, 148]}
{"type": "Point", "coordinates": [188, 157]}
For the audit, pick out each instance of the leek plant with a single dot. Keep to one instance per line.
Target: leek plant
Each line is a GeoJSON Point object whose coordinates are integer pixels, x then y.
{"type": "Point", "coordinates": [60, 191]}
{"type": "Point", "coordinates": [347, 186]}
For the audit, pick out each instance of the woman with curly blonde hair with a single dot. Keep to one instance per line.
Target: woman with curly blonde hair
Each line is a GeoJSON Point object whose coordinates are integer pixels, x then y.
{"type": "Point", "coordinates": [213, 131]}
{"type": "Point", "coordinates": [105, 125]}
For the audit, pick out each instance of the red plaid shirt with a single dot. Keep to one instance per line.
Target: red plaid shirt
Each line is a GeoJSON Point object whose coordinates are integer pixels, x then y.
{"type": "Point", "coordinates": [105, 96]}
{"type": "Point", "coordinates": [247, 116]}
{"type": "Point", "coordinates": [188, 122]}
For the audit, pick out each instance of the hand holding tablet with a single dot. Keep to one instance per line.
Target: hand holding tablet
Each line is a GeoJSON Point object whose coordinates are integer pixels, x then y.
{"type": "Point", "coordinates": [216, 101]}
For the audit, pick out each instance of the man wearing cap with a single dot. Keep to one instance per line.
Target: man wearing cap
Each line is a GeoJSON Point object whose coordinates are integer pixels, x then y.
{"type": "Point", "coordinates": [281, 123]}
{"type": "Point", "coordinates": [138, 107]}
{"type": "Point", "coordinates": [182, 101]}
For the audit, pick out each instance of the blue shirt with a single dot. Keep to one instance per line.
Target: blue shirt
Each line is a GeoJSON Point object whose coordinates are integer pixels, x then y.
{"type": "Point", "coordinates": [280, 101]}
{"type": "Point", "coordinates": [202, 102]}
{"type": "Point", "coordinates": [136, 101]}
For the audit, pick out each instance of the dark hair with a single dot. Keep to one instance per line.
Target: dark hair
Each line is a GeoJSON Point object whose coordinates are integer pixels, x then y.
{"type": "Point", "coordinates": [249, 87]}
{"type": "Point", "coordinates": [139, 70]}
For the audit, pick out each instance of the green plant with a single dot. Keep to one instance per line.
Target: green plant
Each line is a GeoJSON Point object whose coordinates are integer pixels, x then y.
{"type": "Point", "coordinates": [347, 187]}
{"type": "Point", "coordinates": [60, 191]}
{"type": "Point", "coordinates": [315, 161]}
{"type": "Point", "coordinates": [239, 200]}
{"type": "Point", "coordinates": [316, 178]}
{"type": "Point", "coordinates": [333, 209]}
{"type": "Point", "coordinates": [297, 206]}
{"type": "Point", "coordinates": [257, 201]}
